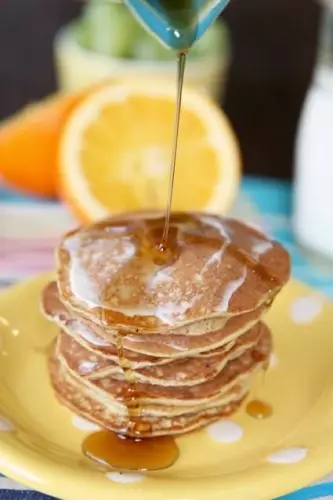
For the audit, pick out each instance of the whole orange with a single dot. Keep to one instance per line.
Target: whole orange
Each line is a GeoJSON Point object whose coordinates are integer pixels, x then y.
{"type": "Point", "coordinates": [29, 144]}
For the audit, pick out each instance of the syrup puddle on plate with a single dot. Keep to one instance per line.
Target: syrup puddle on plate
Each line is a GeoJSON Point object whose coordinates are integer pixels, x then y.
{"type": "Point", "coordinates": [119, 452]}
{"type": "Point", "coordinates": [130, 454]}
{"type": "Point", "coordinates": [259, 409]}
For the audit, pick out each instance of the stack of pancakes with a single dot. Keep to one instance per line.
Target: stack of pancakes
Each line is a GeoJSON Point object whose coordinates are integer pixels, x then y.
{"type": "Point", "coordinates": [161, 341]}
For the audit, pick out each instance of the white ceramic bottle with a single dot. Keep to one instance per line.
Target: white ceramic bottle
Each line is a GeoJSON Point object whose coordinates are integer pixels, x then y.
{"type": "Point", "coordinates": [313, 200]}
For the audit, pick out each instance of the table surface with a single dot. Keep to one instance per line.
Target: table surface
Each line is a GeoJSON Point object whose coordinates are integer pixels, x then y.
{"type": "Point", "coordinates": [30, 229]}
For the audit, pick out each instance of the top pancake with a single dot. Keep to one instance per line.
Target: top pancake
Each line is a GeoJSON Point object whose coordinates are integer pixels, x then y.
{"type": "Point", "coordinates": [113, 273]}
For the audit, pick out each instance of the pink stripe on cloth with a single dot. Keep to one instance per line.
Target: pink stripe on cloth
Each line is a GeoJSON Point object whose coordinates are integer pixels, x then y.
{"type": "Point", "coordinates": [20, 254]}
{"type": "Point", "coordinates": [29, 233]}
{"type": "Point", "coordinates": [30, 241]}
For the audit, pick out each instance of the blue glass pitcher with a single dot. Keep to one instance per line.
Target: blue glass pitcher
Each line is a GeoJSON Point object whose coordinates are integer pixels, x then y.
{"type": "Point", "coordinates": [177, 23]}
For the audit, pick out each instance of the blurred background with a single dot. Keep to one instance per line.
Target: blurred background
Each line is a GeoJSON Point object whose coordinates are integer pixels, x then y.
{"type": "Point", "coordinates": [272, 43]}
{"type": "Point", "coordinates": [267, 63]}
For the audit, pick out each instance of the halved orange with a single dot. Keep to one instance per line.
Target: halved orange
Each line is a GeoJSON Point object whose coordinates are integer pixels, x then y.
{"type": "Point", "coordinates": [116, 148]}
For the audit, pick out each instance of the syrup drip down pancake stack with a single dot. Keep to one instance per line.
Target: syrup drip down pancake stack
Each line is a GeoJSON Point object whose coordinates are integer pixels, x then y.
{"type": "Point", "coordinates": [161, 341]}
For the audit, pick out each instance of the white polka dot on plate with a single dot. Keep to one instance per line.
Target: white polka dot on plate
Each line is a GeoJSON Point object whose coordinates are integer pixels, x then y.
{"type": "Point", "coordinates": [124, 477]}
{"type": "Point", "coordinates": [84, 425]}
{"type": "Point", "coordinates": [288, 456]}
{"type": "Point", "coordinates": [305, 309]}
{"type": "Point", "coordinates": [225, 431]}
{"type": "Point", "coordinates": [6, 425]}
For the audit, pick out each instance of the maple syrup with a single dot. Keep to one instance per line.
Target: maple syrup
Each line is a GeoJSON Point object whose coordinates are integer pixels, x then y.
{"type": "Point", "coordinates": [180, 80]}
{"type": "Point", "coordinates": [154, 246]}
{"type": "Point", "coordinates": [140, 453]}
{"type": "Point", "coordinates": [129, 395]}
{"type": "Point", "coordinates": [259, 409]}
{"type": "Point", "coordinates": [119, 451]}
{"type": "Point", "coordinates": [122, 453]}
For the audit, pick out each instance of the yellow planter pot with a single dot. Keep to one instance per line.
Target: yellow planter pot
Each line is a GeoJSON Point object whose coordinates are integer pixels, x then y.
{"type": "Point", "coordinates": [78, 67]}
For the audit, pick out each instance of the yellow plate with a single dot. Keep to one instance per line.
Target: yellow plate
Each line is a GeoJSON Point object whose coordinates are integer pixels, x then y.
{"type": "Point", "coordinates": [40, 442]}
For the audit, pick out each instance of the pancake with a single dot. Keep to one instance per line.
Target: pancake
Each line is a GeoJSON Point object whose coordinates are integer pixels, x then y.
{"type": "Point", "coordinates": [109, 395]}
{"type": "Point", "coordinates": [86, 407]}
{"type": "Point", "coordinates": [215, 267]}
{"type": "Point", "coordinates": [157, 341]}
{"type": "Point", "coordinates": [163, 411]}
{"type": "Point", "coordinates": [206, 390]}
{"type": "Point", "coordinates": [174, 372]}
{"type": "Point", "coordinates": [160, 345]}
